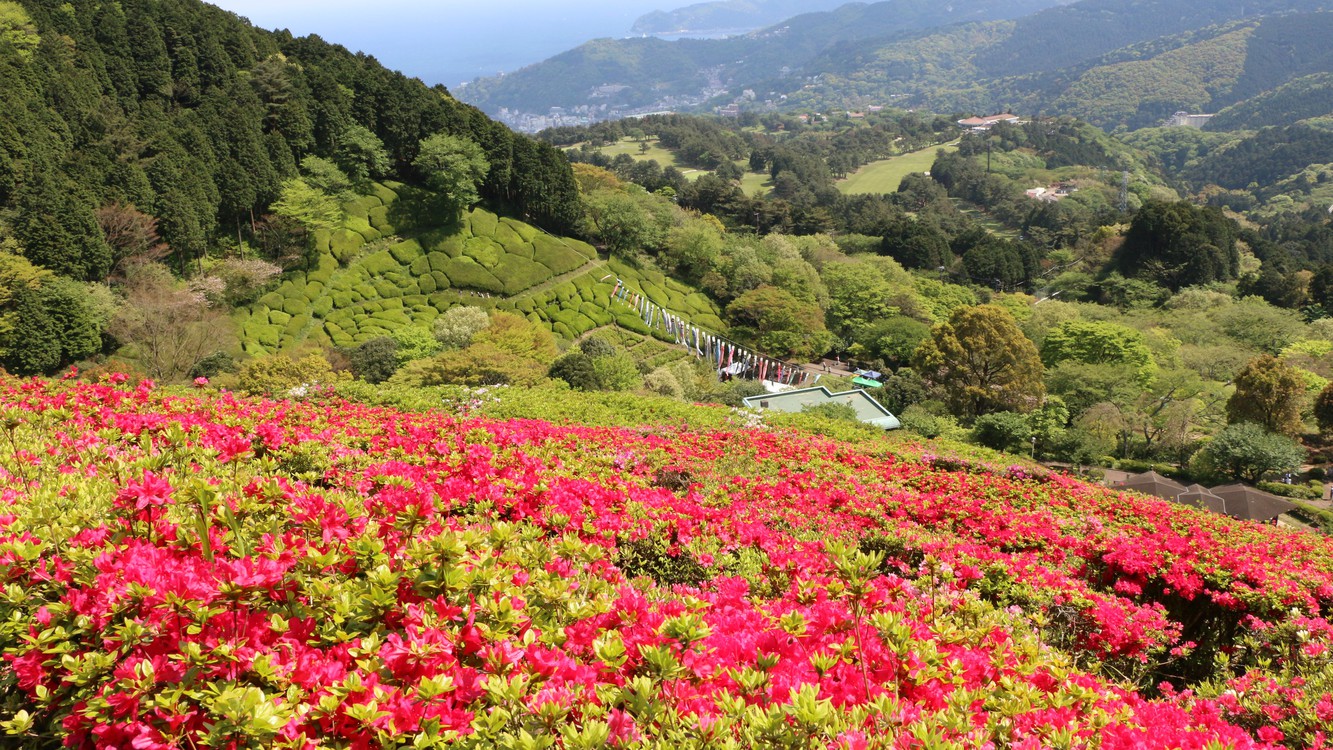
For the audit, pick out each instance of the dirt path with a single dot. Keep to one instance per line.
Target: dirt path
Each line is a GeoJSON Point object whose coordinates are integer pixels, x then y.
{"type": "Point", "coordinates": [555, 281]}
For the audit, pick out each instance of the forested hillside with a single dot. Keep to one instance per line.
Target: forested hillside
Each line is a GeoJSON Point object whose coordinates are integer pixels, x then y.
{"type": "Point", "coordinates": [1113, 62]}
{"type": "Point", "coordinates": [165, 130]}
{"type": "Point", "coordinates": [1068, 70]}
{"type": "Point", "coordinates": [651, 69]}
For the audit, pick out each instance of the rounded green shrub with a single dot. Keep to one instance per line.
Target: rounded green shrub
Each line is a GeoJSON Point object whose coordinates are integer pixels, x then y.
{"type": "Point", "coordinates": [322, 241]}
{"type": "Point", "coordinates": [483, 223]}
{"type": "Point", "coordinates": [344, 244]}
{"type": "Point", "coordinates": [379, 263]}
{"type": "Point", "coordinates": [384, 191]}
{"type": "Point", "coordinates": [518, 273]}
{"type": "Point", "coordinates": [295, 326]}
{"type": "Point", "coordinates": [270, 335]}
{"type": "Point", "coordinates": [632, 322]}
{"type": "Point", "coordinates": [379, 218]}
{"type": "Point", "coordinates": [506, 237]}
{"type": "Point", "coordinates": [295, 306]}
{"type": "Point", "coordinates": [555, 255]}
{"type": "Point", "coordinates": [484, 251]}
{"type": "Point", "coordinates": [525, 231]}
{"type": "Point", "coordinates": [466, 273]}
{"type": "Point", "coordinates": [406, 252]}
{"type": "Point", "coordinates": [385, 288]}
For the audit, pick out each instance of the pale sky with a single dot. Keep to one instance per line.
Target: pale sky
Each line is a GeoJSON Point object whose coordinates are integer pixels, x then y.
{"type": "Point", "coordinates": [451, 41]}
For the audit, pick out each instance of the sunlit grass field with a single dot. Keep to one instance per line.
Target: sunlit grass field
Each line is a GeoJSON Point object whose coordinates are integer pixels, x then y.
{"type": "Point", "coordinates": [884, 176]}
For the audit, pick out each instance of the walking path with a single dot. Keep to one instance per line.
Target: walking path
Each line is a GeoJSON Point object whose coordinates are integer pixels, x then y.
{"type": "Point", "coordinates": [555, 281]}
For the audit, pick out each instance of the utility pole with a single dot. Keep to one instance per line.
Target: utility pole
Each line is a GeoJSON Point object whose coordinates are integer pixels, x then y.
{"type": "Point", "coordinates": [1124, 192]}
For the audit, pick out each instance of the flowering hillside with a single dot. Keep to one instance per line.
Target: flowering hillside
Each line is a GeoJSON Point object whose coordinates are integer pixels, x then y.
{"type": "Point", "coordinates": [204, 571]}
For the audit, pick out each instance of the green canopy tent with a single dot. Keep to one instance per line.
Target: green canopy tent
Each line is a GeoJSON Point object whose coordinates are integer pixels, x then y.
{"type": "Point", "coordinates": [867, 382]}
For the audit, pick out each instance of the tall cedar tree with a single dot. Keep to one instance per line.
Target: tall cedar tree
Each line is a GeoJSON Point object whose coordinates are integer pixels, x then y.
{"type": "Point", "coordinates": [1179, 245]}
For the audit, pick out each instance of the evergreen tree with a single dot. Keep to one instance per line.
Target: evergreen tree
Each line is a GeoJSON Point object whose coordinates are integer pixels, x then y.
{"type": "Point", "coordinates": [1179, 245]}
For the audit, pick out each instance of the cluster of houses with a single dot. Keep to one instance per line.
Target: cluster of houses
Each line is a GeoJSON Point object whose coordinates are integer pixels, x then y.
{"type": "Point", "coordinates": [1235, 500]}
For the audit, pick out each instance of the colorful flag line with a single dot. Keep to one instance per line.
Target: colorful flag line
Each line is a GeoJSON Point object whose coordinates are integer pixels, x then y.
{"type": "Point", "coordinates": [726, 356]}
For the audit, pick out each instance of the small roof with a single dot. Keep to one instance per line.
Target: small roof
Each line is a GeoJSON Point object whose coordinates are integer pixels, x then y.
{"type": "Point", "coordinates": [872, 374]}
{"type": "Point", "coordinates": [1247, 503]}
{"type": "Point", "coordinates": [987, 120]}
{"type": "Point", "coordinates": [867, 408]}
{"type": "Point", "coordinates": [1200, 497]}
{"type": "Point", "coordinates": [867, 382]}
{"type": "Point", "coordinates": [1152, 483]}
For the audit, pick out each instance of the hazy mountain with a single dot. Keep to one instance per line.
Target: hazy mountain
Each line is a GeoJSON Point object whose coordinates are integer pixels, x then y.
{"type": "Point", "coordinates": [614, 77]}
{"type": "Point", "coordinates": [726, 16]}
{"type": "Point", "coordinates": [1113, 62]}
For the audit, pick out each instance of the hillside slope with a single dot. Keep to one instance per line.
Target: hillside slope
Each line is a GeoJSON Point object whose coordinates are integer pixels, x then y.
{"type": "Point", "coordinates": [391, 265]}
{"type": "Point", "coordinates": [1113, 62]}
{"type": "Point", "coordinates": [652, 70]}
{"type": "Point", "coordinates": [1066, 68]}
{"type": "Point", "coordinates": [371, 577]}
{"type": "Point", "coordinates": [195, 117]}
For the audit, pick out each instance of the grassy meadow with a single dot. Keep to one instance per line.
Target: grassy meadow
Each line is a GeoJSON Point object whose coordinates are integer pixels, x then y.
{"type": "Point", "coordinates": [885, 175]}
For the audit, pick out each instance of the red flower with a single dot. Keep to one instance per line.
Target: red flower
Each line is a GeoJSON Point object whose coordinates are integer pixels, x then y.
{"type": "Point", "coordinates": [150, 491]}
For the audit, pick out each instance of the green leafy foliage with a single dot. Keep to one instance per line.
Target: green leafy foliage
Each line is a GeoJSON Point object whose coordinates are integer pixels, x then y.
{"type": "Point", "coordinates": [376, 360]}
{"type": "Point", "coordinates": [281, 375]}
{"type": "Point", "coordinates": [1247, 451]}
{"type": "Point", "coordinates": [1270, 393]}
{"type": "Point", "coordinates": [453, 167]}
{"type": "Point", "coordinates": [1098, 343]}
{"type": "Point", "coordinates": [1323, 410]}
{"type": "Point", "coordinates": [982, 362]}
{"type": "Point", "coordinates": [1004, 431]}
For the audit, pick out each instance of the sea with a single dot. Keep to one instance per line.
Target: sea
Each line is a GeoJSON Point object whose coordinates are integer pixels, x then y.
{"type": "Point", "coordinates": [452, 42]}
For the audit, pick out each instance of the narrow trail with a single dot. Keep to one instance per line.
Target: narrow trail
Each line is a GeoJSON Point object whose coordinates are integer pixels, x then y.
{"type": "Point", "coordinates": [555, 281]}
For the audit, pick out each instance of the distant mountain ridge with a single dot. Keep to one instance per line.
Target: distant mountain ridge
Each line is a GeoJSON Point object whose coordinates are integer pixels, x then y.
{"type": "Point", "coordinates": [607, 76]}
{"type": "Point", "coordinates": [1114, 62]}
{"type": "Point", "coordinates": [726, 16]}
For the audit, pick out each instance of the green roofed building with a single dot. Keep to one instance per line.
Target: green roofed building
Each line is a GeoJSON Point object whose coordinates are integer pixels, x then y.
{"type": "Point", "coordinates": [867, 409]}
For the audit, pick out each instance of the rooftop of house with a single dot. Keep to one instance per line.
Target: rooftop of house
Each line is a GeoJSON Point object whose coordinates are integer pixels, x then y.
{"type": "Point", "coordinates": [867, 408]}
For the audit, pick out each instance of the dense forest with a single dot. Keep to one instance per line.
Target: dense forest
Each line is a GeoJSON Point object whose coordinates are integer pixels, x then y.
{"type": "Point", "coordinates": [165, 130]}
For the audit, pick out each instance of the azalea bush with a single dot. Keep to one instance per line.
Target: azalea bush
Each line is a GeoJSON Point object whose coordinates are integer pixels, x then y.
{"type": "Point", "coordinates": [196, 569]}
